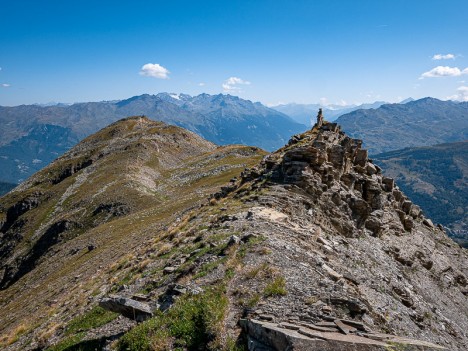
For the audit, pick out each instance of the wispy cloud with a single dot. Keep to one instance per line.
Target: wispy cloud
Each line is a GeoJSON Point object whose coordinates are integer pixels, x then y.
{"type": "Point", "coordinates": [443, 57]}
{"type": "Point", "coordinates": [444, 71]}
{"type": "Point", "coordinates": [461, 95]}
{"type": "Point", "coordinates": [6, 85]}
{"type": "Point", "coordinates": [201, 84]}
{"type": "Point", "coordinates": [154, 70]}
{"type": "Point", "coordinates": [232, 84]}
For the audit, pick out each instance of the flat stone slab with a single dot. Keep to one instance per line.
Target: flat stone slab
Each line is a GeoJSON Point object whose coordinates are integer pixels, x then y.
{"type": "Point", "coordinates": [271, 336]}
{"type": "Point", "coordinates": [127, 307]}
{"type": "Point", "coordinates": [344, 328]}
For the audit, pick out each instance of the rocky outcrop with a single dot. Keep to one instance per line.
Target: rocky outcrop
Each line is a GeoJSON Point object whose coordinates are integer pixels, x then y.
{"type": "Point", "coordinates": [331, 162]}
{"type": "Point", "coordinates": [364, 250]}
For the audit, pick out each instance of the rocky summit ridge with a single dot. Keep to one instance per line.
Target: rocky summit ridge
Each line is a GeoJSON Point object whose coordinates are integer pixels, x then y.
{"type": "Point", "coordinates": [312, 248]}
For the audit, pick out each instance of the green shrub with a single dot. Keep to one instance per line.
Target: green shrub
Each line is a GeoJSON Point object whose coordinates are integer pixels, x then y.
{"type": "Point", "coordinates": [276, 288]}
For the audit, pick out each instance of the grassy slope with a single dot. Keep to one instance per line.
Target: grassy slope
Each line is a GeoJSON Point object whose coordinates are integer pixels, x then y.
{"type": "Point", "coordinates": [155, 171]}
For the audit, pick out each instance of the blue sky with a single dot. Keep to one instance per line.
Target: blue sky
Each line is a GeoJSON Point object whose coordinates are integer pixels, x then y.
{"type": "Point", "coordinates": [270, 51]}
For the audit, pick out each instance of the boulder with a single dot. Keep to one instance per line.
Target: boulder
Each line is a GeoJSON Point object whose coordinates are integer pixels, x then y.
{"type": "Point", "coordinates": [169, 270]}
{"type": "Point", "coordinates": [388, 183]}
{"type": "Point", "coordinates": [361, 157]}
{"type": "Point", "coordinates": [374, 224]}
{"type": "Point", "coordinates": [127, 307]}
{"type": "Point", "coordinates": [406, 206]}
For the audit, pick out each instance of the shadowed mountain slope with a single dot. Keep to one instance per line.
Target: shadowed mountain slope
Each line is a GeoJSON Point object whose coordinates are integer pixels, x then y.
{"type": "Point", "coordinates": [436, 178]}
{"type": "Point", "coordinates": [311, 248]}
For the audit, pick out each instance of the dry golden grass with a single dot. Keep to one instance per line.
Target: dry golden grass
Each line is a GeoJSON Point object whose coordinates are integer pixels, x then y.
{"type": "Point", "coordinates": [14, 335]}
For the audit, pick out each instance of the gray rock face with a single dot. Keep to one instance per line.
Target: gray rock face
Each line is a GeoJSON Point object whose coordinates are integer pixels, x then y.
{"type": "Point", "coordinates": [351, 245]}
{"type": "Point", "coordinates": [331, 159]}
{"type": "Point", "coordinates": [127, 307]}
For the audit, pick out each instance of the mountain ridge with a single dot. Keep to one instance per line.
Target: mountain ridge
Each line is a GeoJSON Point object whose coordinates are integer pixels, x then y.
{"type": "Point", "coordinates": [309, 234]}
{"type": "Point", "coordinates": [422, 122]}
{"type": "Point", "coordinates": [222, 119]}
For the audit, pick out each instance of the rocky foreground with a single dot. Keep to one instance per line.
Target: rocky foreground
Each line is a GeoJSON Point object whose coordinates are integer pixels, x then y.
{"type": "Point", "coordinates": [313, 248]}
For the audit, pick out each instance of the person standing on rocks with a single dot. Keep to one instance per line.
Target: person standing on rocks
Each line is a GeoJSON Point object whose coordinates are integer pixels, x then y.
{"type": "Point", "coordinates": [319, 118]}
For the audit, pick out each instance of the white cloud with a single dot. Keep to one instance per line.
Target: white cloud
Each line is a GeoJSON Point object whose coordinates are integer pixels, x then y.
{"type": "Point", "coordinates": [462, 94]}
{"type": "Point", "coordinates": [231, 85]}
{"type": "Point", "coordinates": [5, 85]}
{"type": "Point", "coordinates": [201, 84]}
{"type": "Point", "coordinates": [154, 70]}
{"type": "Point", "coordinates": [444, 71]}
{"type": "Point", "coordinates": [443, 57]}
{"type": "Point", "coordinates": [323, 101]}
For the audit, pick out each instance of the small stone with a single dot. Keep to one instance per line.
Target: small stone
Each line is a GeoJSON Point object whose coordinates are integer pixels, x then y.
{"type": "Point", "coordinates": [266, 317]}
{"type": "Point", "coordinates": [332, 273]}
{"type": "Point", "coordinates": [345, 329]}
{"type": "Point", "coordinates": [179, 290]}
{"type": "Point", "coordinates": [323, 241]}
{"type": "Point", "coordinates": [389, 183]}
{"type": "Point", "coordinates": [408, 224]}
{"type": "Point", "coordinates": [351, 278]}
{"type": "Point", "coordinates": [428, 223]}
{"type": "Point", "coordinates": [406, 206]}
{"type": "Point", "coordinates": [74, 251]}
{"type": "Point", "coordinates": [415, 211]}
{"type": "Point", "coordinates": [371, 169]}
{"type": "Point", "coordinates": [169, 270]}
{"type": "Point", "coordinates": [361, 157]}
{"type": "Point", "coordinates": [234, 240]}
{"type": "Point", "coordinates": [141, 297]}
{"type": "Point", "coordinates": [248, 237]}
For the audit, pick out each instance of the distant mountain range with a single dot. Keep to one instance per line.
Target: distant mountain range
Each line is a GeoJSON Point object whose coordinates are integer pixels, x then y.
{"type": "Point", "coordinates": [435, 178]}
{"type": "Point", "coordinates": [421, 122]}
{"type": "Point", "coordinates": [306, 113]}
{"type": "Point", "coordinates": [32, 135]}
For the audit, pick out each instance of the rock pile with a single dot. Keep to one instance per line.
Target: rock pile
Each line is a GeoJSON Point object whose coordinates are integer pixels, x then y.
{"type": "Point", "coordinates": [331, 161]}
